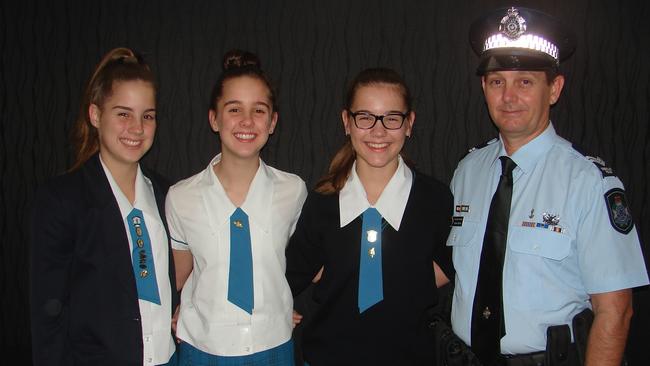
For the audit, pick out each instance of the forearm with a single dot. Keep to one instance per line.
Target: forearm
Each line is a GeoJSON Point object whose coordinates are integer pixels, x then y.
{"type": "Point", "coordinates": [608, 333]}
{"type": "Point", "coordinates": [304, 265]}
{"type": "Point", "coordinates": [606, 344]}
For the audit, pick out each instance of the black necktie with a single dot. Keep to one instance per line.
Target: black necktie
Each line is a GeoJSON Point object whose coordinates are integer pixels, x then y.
{"type": "Point", "coordinates": [487, 317]}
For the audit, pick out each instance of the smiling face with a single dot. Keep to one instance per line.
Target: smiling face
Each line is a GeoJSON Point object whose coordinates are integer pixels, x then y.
{"type": "Point", "coordinates": [378, 147]}
{"type": "Point", "coordinates": [244, 117]}
{"type": "Point", "coordinates": [125, 123]}
{"type": "Point", "coordinates": [519, 103]}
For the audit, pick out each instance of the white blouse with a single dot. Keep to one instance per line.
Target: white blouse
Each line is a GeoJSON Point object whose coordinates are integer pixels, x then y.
{"type": "Point", "coordinates": [198, 213]}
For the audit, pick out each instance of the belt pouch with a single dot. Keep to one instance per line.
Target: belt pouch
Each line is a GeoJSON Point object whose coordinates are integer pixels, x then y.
{"type": "Point", "coordinates": [581, 325]}
{"type": "Point", "coordinates": [558, 339]}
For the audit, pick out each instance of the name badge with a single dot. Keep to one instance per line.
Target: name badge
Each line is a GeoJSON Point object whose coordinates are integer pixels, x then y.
{"type": "Point", "coordinates": [457, 221]}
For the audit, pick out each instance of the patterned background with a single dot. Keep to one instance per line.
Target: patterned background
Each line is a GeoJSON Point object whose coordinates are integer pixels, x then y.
{"type": "Point", "coordinates": [311, 48]}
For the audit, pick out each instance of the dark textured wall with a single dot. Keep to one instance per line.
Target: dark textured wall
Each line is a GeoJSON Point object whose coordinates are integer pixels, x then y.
{"type": "Point", "coordinates": [311, 48]}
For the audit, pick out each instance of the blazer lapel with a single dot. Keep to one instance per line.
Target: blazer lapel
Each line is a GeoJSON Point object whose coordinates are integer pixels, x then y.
{"type": "Point", "coordinates": [116, 241]}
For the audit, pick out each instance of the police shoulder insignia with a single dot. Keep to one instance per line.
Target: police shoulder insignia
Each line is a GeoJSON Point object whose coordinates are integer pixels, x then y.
{"type": "Point", "coordinates": [490, 142]}
{"type": "Point", "coordinates": [619, 211]}
{"type": "Point", "coordinates": [600, 164]}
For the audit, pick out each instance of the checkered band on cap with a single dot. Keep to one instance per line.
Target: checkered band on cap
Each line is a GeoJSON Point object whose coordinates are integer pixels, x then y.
{"type": "Point", "coordinates": [526, 41]}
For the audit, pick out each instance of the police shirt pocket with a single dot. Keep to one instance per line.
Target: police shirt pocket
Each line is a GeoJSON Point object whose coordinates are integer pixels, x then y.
{"type": "Point", "coordinates": [540, 242]}
{"type": "Point", "coordinates": [534, 259]}
{"type": "Point", "coordinates": [462, 240]}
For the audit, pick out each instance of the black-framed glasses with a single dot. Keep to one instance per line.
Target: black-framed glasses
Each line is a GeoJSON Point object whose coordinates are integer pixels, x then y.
{"type": "Point", "coordinates": [366, 121]}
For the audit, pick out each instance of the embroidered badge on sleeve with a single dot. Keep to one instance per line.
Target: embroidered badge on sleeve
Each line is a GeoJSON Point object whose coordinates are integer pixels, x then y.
{"type": "Point", "coordinates": [619, 211]}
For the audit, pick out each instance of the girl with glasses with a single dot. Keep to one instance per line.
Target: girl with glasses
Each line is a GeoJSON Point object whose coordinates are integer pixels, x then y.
{"type": "Point", "coordinates": [372, 237]}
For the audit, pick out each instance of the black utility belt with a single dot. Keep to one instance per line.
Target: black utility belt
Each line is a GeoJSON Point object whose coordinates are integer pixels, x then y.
{"type": "Point", "coordinates": [541, 358]}
{"type": "Point", "coordinates": [560, 351]}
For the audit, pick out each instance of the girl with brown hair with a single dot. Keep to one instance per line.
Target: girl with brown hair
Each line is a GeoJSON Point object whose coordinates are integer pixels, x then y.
{"type": "Point", "coordinates": [230, 225]}
{"type": "Point", "coordinates": [372, 236]}
{"type": "Point", "coordinates": [101, 274]}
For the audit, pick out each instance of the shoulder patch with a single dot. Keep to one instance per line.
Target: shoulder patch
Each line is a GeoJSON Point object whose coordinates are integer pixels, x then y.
{"type": "Point", "coordinates": [619, 211]}
{"type": "Point", "coordinates": [490, 142]}
{"type": "Point", "coordinates": [605, 170]}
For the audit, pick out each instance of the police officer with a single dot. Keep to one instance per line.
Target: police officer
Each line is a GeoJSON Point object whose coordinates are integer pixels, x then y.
{"type": "Point", "coordinates": [540, 231]}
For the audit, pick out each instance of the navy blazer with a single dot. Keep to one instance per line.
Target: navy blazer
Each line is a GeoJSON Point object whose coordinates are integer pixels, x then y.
{"type": "Point", "coordinates": [393, 331]}
{"type": "Point", "coordinates": [84, 303]}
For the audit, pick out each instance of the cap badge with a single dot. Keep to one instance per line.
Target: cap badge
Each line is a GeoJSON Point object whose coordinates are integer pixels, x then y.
{"type": "Point", "coordinates": [512, 25]}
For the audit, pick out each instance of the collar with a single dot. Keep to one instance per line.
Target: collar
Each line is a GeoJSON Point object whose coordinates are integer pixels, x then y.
{"type": "Point", "coordinates": [257, 204]}
{"type": "Point", "coordinates": [527, 156]}
{"type": "Point", "coordinates": [391, 204]}
{"type": "Point", "coordinates": [144, 197]}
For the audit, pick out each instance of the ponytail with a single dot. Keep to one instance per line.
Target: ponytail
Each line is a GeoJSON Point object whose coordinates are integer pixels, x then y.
{"type": "Point", "coordinates": [119, 64]}
{"type": "Point", "coordinates": [339, 170]}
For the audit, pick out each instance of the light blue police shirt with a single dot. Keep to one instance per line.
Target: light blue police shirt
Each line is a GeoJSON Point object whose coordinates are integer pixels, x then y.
{"type": "Point", "coordinates": [562, 244]}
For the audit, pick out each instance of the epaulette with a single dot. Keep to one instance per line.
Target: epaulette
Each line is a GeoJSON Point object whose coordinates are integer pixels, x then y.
{"type": "Point", "coordinates": [605, 170]}
{"type": "Point", "coordinates": [489, 142]}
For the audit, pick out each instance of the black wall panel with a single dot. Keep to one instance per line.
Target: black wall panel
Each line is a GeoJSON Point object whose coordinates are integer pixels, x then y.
{"type": "Point", "coordinates": [311, 48]}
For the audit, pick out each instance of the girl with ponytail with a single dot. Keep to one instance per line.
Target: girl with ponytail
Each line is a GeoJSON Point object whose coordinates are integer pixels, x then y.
{"type": "Point", "coordinates": [101, 274]}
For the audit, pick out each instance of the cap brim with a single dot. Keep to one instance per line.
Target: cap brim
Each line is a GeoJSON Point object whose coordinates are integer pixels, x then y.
{"type": "Point", "coordinates": [515, 59]}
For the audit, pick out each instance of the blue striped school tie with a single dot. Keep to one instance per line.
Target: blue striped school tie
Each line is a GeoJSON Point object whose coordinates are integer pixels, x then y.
{"type": "Point", "coordinates": [143, 266]}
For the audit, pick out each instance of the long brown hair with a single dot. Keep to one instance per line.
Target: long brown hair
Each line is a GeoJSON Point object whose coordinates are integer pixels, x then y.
{"type": "Point", "coordinates": [119, 64]}
{"type": "Point", "coordinates": [343, 160]}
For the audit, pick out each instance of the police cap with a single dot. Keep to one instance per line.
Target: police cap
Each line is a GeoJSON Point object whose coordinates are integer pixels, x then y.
{"type": "Point", "coordinates": [518, 38]}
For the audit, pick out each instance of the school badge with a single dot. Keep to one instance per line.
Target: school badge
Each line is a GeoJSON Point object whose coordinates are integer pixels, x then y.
{"type": "Point", "coordinates": [371, 236]}
{"type": "Point", "coordinates": [619, 211]}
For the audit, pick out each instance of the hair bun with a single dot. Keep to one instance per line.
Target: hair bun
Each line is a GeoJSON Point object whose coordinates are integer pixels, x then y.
{"type": "Point", "coordinates": [124, 56]}
{"type": "Point", "coordinates": [235, 59]}
{"type": "Point", "coordinates": [130, 60]}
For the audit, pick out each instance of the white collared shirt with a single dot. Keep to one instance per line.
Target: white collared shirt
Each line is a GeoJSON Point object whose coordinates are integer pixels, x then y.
{"type": "Point", "coordinates": [353, 200]}
{"type": "Point", "coordinates": [155, 319]}
{"type": "Point", "coordinates": [198, 213]}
